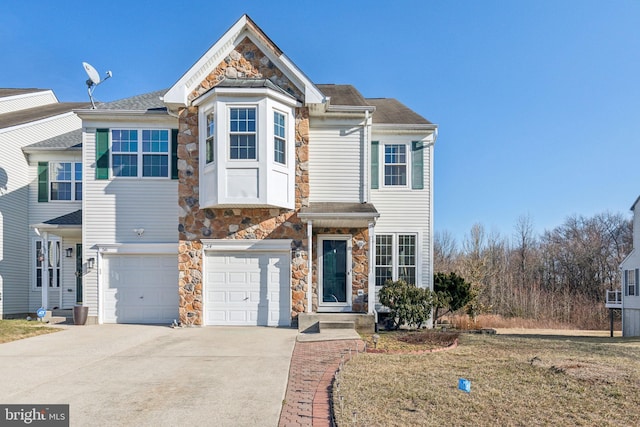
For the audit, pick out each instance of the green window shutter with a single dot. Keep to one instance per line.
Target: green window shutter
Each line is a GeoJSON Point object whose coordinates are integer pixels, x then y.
{"type": "Point", "coordinates": [102, 153]}
{"type": "Point", "coordinates": [43, 182]}
{"type": "Point", "coordinates": [174, 153]}
{"type": "Point", "coordinates": [375, 168]}
{"type": "Point", "coordinates": [417, 165]}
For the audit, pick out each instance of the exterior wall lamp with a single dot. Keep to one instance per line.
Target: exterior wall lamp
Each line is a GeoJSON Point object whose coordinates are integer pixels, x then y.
{"type": "Point", "coordinates": [69, 252]}
{"type": "Point", "coordinates": [91, 263]}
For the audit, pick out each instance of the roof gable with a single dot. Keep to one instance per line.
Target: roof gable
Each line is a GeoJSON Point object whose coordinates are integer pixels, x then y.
{"type": "Point", "coordinates": [244, 51]}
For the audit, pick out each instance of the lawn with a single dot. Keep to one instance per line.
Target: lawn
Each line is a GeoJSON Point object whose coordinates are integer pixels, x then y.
{"type": "Point", "coordinates": [516, 380]}
{"type": "Point", "coordinates": [11, 330]}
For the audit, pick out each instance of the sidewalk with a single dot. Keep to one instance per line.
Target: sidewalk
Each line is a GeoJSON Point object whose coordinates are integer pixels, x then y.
{"type": "Point", "coordinates": [311, 373]}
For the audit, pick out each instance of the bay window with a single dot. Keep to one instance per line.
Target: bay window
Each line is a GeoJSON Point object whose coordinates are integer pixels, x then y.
{"type": "Point", "coordinates": [246, 143]}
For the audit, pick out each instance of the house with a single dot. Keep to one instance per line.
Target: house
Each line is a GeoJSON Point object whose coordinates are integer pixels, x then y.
{"type": "Point", "coordinates": [37, 179]}
{"type": "Point", "coordinates": [246, 194]}
{"type": "Point", "coordinates": [629, 298]}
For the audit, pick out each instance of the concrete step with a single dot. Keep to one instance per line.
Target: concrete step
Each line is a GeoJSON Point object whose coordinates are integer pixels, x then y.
{"type": "Point", "coordinates": [361, 322]}
{"type": "Point", "coordinates": [337, 324]}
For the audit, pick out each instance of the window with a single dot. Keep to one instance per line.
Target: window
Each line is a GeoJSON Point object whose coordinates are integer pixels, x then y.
{"type": "Point", "coordinates": [395, 258]}
{"type": "Point", "coordinates": [65, 180]}
{"type": "Point", "coordinates": [279, 138]}
{"type": "Point", "coordinates": [210, 138]}
{"type": "Point", "coordinates": [145, 151]}
{"type": "Point", "coordinates": [242, 125]}
{"type": "Point", "coordinates": [395, 164]}
{"type": "Point", "coordinates": [631, 282]}
{"type": "Point", "coordinates": [155, 153]}
{"type": "Point", "coordinates": [52, 263]}
{"type": "Point", "coordinates": [124, 145]}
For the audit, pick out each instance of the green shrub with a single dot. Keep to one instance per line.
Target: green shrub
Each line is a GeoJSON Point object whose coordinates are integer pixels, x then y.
{"type": "Point", "coordinates": [408, 304]}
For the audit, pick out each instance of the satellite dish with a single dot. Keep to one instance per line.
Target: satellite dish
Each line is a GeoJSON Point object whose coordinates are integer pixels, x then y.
{"type": "Point", "coordinates": [94, 77]}
{"type": "Point", "coordinates": [93, 81]}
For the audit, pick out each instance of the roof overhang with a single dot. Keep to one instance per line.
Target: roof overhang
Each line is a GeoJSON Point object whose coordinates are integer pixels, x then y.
{"type": "Point", "coordinates": [338, 214]}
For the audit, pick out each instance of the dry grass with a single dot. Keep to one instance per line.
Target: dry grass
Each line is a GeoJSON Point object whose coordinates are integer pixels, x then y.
{"type": "Point", "coordinates": [410, 340]}
{"type": "Point", "coordinates": [497, 321]}
{"type": "Point", "coordinates": [12, 330]}
{"type": "Point", "coordinates": [516, 380]}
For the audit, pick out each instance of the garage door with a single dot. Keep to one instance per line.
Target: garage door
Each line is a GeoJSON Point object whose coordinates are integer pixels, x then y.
{"type": "Point", "coordinates": [140, 288]}
{"type": "Point", "coordinates": [247, 289]}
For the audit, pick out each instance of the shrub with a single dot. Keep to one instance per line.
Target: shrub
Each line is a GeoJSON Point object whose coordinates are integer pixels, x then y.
{"type": "Point", "coordinates": [408, 304]}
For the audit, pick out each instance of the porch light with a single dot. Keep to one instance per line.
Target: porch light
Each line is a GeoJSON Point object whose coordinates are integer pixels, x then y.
{"type": "Point", "coordinates": [68, 252]}
{"type": "Point", "coordinates": [91, 263]}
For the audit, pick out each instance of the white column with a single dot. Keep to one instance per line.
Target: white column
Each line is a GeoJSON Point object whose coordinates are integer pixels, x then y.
{"type": "Point", "coordinates": [309, 266]}
{"type": "Point", "coordinates": [372, 276]}
{"type": "Point", "coordinates": [45, 270]}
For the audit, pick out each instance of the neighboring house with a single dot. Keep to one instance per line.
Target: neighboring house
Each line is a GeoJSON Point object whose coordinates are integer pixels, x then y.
{"type": "Point", "coordinates": [245, 194]}
{"type": "Point", "coordinates": [40, 139]}
{"type": "Point", "coordinates": [630, 269]}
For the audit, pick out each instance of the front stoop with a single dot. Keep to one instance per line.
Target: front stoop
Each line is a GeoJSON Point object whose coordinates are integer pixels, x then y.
{"type": "Point", "coordinates": [324, 322]}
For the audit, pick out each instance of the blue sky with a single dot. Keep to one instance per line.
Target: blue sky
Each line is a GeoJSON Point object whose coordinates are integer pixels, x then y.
{"type": "Point", "coordinates": [538, 102]}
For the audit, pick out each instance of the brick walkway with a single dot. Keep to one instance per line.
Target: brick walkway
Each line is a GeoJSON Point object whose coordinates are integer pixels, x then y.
{"type": "Point", "coordinates": [313, 366]}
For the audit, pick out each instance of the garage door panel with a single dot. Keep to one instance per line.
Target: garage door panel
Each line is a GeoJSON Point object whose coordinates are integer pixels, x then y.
{"type": "Point", "coordinates": [140, 289]}
{"type": "Point", "coordinates": [252, 284]}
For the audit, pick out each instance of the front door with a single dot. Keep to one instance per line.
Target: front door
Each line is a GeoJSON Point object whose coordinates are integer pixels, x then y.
{"type": "Point", "coordinates": [334, 272]}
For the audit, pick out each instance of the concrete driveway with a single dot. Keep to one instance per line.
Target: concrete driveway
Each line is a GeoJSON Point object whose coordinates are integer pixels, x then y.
{"type": "Point", "coordinates": [124, 375]}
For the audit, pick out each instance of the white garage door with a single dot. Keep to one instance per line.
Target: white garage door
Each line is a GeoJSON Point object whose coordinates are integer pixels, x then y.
{"type": "Point", "coordinates": [247, 289]}
{"type": "Point", "coordinates": [140, 288]}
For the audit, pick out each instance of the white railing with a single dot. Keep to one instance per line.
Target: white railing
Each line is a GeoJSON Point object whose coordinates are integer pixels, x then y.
{"type": "Point", "coordinates": [613, 299]}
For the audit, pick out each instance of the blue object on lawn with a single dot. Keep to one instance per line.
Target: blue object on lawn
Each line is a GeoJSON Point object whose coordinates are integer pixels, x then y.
{"type": "Point", "coordinates": [464, 385]}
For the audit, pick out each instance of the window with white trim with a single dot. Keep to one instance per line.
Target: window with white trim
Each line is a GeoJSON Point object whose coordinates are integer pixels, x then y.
{"type": "Point", "coordinates": [396, 258]}
{"type": "Point", "coordinates": [210, 138]}
{"type": "Point", "coordinates": [52, 262]}
{"type": "Point", "coordinates": [395, 164]}
{"type": "Point", "coordinates": [65, 180]}
{"type": "Point", "coordinates": [242, 133]}
{"type": "Point", "coordinates": [279, 138]}
{"type": "Point", "coordinates": [631, 282]}
{"type": "Point", "coordinates": [140, 153]}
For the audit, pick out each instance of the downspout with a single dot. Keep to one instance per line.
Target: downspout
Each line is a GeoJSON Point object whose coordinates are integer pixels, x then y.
{"type": "Point", "coordinates": [431, 272]}
{"type": "Point", "coordinates": [367, 146]}
{"type": "Point", "coordinates": [309, 266]}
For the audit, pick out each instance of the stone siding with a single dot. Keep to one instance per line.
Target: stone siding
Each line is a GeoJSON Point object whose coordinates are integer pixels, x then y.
{"type": "Point", "coordinates": [247, 61]}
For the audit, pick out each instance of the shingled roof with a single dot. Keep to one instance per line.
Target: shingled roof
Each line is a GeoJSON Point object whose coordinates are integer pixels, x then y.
{"type": "Point", "coordinates": [388, 110]}
{"type": "Point", "coordinates": [147, 102]}
{"type": "Point", "coordinates": [67, 141]}
{"type": "Point", "coordinates": [20, 117]}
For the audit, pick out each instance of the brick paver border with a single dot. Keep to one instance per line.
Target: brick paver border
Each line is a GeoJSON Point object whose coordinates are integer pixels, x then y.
{"type": "Point", "coordinates": [313, 367]}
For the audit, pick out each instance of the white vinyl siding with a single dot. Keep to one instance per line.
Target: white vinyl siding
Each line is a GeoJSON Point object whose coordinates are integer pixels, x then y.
{"type": "Point", "coordinates": [112, 209]}
{"type": "Point", "coordinates": [16, 209]}
{"type": "Point", "coordinates": [406, 211]}
{"type": "Point", "coordinates": [335, 163]}
{"type": "Point", "coordinates": [28, 100]}
{"type": "Point", "coordinates": [631, 322]}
